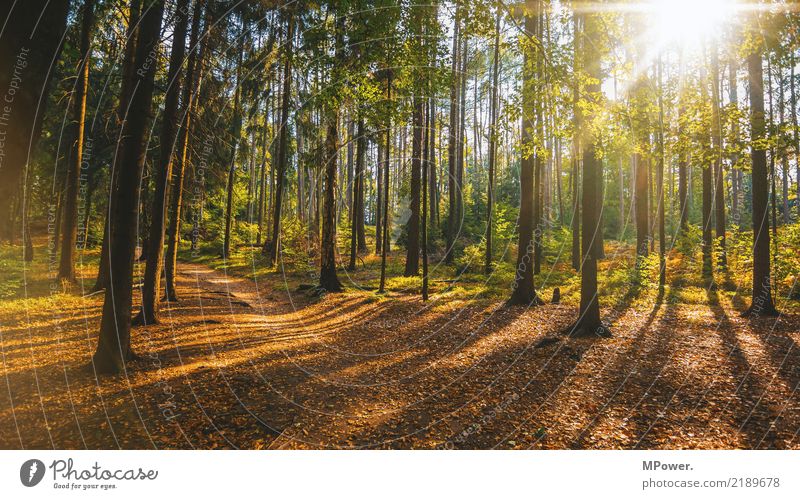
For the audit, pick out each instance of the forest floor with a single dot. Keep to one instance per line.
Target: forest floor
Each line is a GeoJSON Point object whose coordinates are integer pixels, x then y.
{"type": "Point", "coordinates": [244, 363]}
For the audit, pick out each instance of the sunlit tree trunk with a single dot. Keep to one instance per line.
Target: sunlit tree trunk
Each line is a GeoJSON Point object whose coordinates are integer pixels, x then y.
{"type": "Point", "coordinates": [453, 132]}
{"type": "Point", "coordinates": [113, 348]}
{"type": "Point", "coordinates": [524, 290]}
{"type": "Point", "coordinates": [576, 145]}
{"type": "Point", "coordinates": [719, 173]}
{"type": "Point", "coordinates": [492, 144]}
{"type": "Point", "coordinates": [761, 303]}
{"type": "Point", "coordinates": [155, 250]}
{"type": "Point", "coordinates": [69, 232]}
{"type": "Point", "coordinates": [386, 184]}
{"type": "Point", "coordinates": [189, 95]}
{"type": "Point", "coordinates": [589, 323]}
{"type": "Point", "coordinates": [412, 244]}
{"type": "Point", "coordinates": [272, 246]}
{"type": "Point", "coordinates": [235, 133]}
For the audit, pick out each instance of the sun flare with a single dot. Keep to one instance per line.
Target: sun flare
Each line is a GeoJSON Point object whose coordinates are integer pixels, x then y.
{"type": "Point", "coordinates": [687, 23]}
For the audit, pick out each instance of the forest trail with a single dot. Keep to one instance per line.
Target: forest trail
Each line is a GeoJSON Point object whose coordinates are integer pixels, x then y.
{"type": "Point", "coordinates": [238, 364]}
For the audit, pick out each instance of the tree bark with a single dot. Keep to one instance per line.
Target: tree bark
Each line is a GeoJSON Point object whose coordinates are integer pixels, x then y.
{"type": "Point", "coordinates": [113, 348]}
{"type": "Point", "coordinates": [191, 89]}
{"type": "Point", "coordinates": [272, 246]}
{"type": "Point", "coordinates": [412, 244]}
{"type": "Point", "coordinates": [155, 250]}
{"type": "Point", "coordinates": [762, 303]}
{"type": "Point", "coordinates": [492, 145]}
{"type": "Point", "coordinates": [719, 172]}
{"type": "Point", "coordinates": [453, 132]}
{"type": "Point", "coordinates": [524, 290]}
{"type": "Point", "coordinates": [128, 68]}
{"type": "Point", "coordinates": [69, 232]}
{"type": "Point", "coordinates": [589, 323]}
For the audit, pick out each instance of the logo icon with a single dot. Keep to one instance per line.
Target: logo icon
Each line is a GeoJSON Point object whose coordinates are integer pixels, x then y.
{"type": "Point", "coordinates": [31, 472]}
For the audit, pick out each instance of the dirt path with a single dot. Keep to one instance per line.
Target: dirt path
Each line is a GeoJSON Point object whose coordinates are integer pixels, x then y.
{"type": "Point", "coordinates": [238, 364]}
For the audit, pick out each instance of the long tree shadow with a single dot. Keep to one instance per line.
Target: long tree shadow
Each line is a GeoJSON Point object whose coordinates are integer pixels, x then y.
{"type": "Point", "coordinates": [624, 367]}
{"type": "Point", "coordinates": [754, 415]}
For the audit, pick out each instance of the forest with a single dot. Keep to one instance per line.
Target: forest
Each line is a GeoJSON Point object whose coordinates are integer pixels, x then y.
{"type": "Point", "coordinates": [450, 224]}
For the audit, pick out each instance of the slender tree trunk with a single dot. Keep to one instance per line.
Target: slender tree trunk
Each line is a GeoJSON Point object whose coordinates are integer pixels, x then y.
{"type": "Point", "coordinates": [360, 176]}
{"type": "Point", "coordinates": [386, 182]}
{"type": "Point", "coordinates": [412, 245]}
{"type": "Point", "coordinates": [492, 144]}
{"type": "Point", "coordinates": [796, 131]}
{"type": "Point", "coordinates": [734, 98]}
{"type": "Point", "coordinates": [379, 202]}
{"type": "Point", "coordinates": [155, 250]}
{"type": "Point", "coordinates": [425, 163]}
{"type": "Point", "coordinates": [589, 323]}
{"type": "Point", "coordinates": [576, 146]}
{"type": "Point", "coordinates": [433, 193]}
{"type": "Point", "coordinates": [452, 146]}
{"type": "Point", "coordinates": [272, 247]}
{"type": "Point", "coordinates": [524, 290]}
{"type": "Point", "coordinates": [662, 236]}
{"type": "Point", "coordinates": [69, 232]}
{"type": "Point", "coordinates": [113, 348]}
{"type": "Point", "coordinates": [640, 198]}
{"type": "Point", "coordinates": [328, 280]}
{"type": "Point", "coordinates": [762, 303]}
{"type": "Point", "coordinates": [356, 211]}
{"type": "Point", "coordinates": [236, 135]}
{"type": "Point", "coordinates": [719, 173]}
{"type": "Point", "coordinates": [134, 12]}
{"type": "Point", "coordinates": [189, 95]}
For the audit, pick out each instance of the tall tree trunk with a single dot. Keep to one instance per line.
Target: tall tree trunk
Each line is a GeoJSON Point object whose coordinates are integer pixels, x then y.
{"type": "Point", "coordinates": [360, 176]}
{"type": "Point", "coordinates": [69, 232]}
{"type": "Point", "coordinates": [113, 348]}
{"type": "Point", "coordinates": [425, 163]}
{"type": "Point", "coordinates": [492, 144]}
{"type": "Point", "coordinates": [719, 173]}
{"type": "Point", "coordinates": [589, 323]}
{"type": "Point", "coordinates": [433, 194]}
{"type": "Point", "coordinates": [761, 304]}
{"type": "Point", "coordinates": [576, 145]}
{"type": "Point", "coordinates": [155, 250]}
{"type": "Point", "coordinates": [640, 198]}
{"type": "Point", "coordinates": [452, 146]}
{"type": "Point", "coordinates": [356, 209]}
{"type": "Point", "coordinates": [524, 290]}
{"type": "Point", "coordinates": [191, 90]}
{"type": "Point", "coordinates": [386, 183]}
{"type": "Point", "coordinates": [412, 244]}
{"type": "Point", "coordinates": [128, 68]}
{"type": "Point", "coordinates": [734, 98]}
{"type": "Point", "coordinates": [662, 236]}
{"type": "Point", "coordinates": [796, 131]}
{"type": "Point", "coordinates": [328, 280]}
{"type": "Point", "coordinates": [379, 202]}
{"type": "Point", "coordinates": [236, 133]}
{"type": "Point", "coordinates": [272, 246]}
